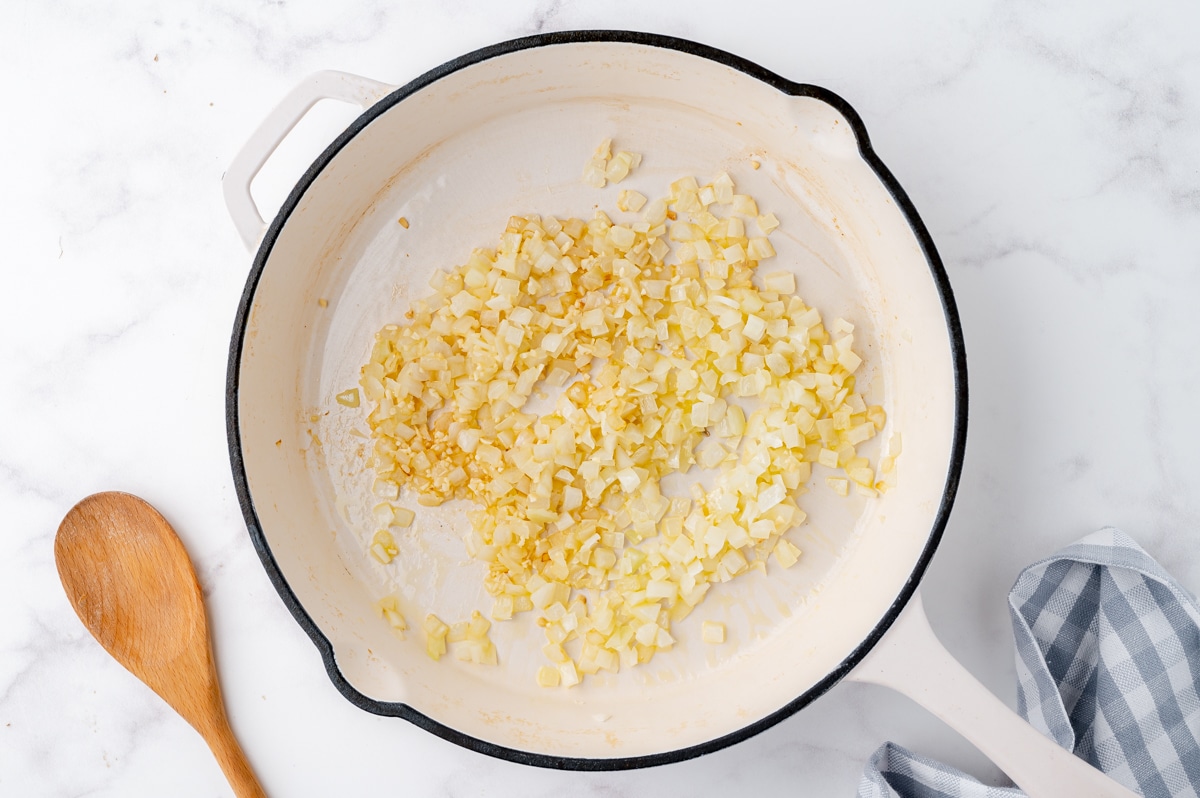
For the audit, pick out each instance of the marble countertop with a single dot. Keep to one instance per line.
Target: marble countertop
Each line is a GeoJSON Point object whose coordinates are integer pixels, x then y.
{"type": "Point", "coordinates": [1051, 149]}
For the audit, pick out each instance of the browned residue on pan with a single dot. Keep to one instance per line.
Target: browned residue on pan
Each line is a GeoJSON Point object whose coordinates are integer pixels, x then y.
{"type": "Point", "coordinates": [251, 327]}
{"type": "Point", "coordinates": [335, 243]}
{"type": "Point", "coordinates": [668, 74]}
{"type": "Point", "coordinates": [498, 81]}
{"type": "Point", "coordinates": [536, 736]}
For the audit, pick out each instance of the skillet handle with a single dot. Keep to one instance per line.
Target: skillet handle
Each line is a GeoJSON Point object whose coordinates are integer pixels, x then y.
{"type": "Point", "coordinates": [910, 660]}
{"type": "Point", "coordinates": [246, 164]}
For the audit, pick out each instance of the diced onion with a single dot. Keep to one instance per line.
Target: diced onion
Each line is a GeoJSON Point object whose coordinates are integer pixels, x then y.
{"type": "Point", "coordinates": [383, 547]}
{"type": "Point", "coordinates": [435, 636]}
{"type": "Point", "coordinates": [649, 359]}
{"type": "Point", "coordinates": [630, 200]}
{"type": "Point", "coordinates": [712, 632]}
{"type": "Point", "coordinates": [781, 282]}
{"type": "Point", "coordinates": [388, 608]}
{"type": "Point", "coordinates": [786, 553]}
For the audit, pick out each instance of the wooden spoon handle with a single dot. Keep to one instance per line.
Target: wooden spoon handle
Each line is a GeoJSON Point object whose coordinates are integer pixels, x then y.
{"type": "Point", "coordinates": [232, 759]}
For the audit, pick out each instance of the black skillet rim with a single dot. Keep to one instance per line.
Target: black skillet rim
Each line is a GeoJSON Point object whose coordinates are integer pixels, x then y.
{"type": "Point", "coordinates": [940, 278]}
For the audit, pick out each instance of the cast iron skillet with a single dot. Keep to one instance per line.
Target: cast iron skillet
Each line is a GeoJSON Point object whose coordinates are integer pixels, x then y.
{"type": "Point", "coordinates": [270, 340]}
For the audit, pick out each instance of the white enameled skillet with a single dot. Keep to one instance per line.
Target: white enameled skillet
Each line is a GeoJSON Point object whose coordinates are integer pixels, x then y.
{"type": "Point", "coordinates": [507, 130]}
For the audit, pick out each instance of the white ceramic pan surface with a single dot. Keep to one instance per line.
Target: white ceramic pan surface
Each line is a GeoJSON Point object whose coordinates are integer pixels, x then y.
{"type": "Point", "coordinates": [507, 131]}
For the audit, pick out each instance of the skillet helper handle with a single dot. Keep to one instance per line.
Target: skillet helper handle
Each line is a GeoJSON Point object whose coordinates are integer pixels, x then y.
{"type": "Point", "coordinates": [326, 85]}
{"type": "Point", "coordinates": [910, 660]}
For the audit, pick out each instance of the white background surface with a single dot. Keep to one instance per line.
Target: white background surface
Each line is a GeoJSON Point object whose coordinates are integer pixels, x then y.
{"type": "Point", "coordinates": [1050, 148]}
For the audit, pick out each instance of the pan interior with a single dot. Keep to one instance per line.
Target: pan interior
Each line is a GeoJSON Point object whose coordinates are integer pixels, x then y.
{"type": "Point", "coordinates": [509, 136]}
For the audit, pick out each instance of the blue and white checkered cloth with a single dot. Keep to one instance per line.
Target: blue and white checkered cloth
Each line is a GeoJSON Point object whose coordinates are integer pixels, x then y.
{"type": "Point", "coordinates": [1108, 662]}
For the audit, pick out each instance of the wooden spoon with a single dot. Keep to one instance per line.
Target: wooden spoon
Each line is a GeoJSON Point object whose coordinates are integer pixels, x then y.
{"type": "Point", "coordinates": [131, 583]}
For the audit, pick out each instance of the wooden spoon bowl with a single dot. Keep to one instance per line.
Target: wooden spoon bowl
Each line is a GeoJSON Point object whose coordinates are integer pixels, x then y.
{"type": "Point", "coordinates": [132, 584]}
